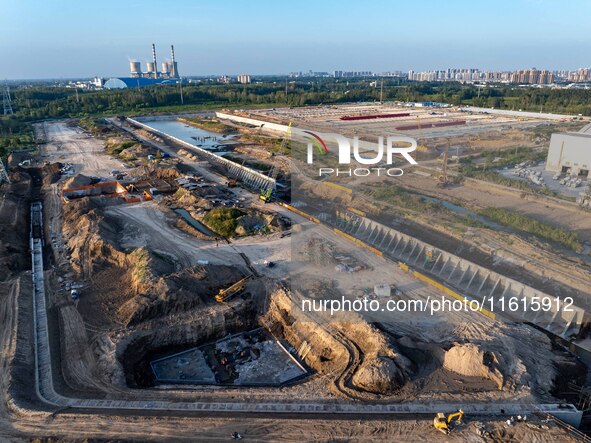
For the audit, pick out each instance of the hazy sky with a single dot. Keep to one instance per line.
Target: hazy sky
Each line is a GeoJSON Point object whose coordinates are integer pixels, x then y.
{"type": "Point", "coordinates": [68, 38]}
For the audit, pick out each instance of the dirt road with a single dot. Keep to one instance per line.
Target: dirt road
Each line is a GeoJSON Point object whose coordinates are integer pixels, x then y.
{"type": "Point", "coordinates": [70, 144]}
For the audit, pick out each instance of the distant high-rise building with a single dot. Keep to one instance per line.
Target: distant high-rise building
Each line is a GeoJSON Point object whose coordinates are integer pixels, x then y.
{"type": "Point", "coordinates": [527, 76]}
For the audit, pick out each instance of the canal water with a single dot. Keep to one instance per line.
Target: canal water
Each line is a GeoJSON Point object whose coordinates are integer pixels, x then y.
{"type": "Point", "coordinates": [190, 134]}
{"type": "Point", "coordinates": [464, 212]}
{"type": "Point", "coordinates": [195, 223]}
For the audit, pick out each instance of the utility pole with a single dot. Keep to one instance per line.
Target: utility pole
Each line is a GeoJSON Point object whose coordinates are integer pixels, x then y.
{"type": "Point", "coordinates": [181, 88]}
{"type": "Point", "coordinates": [382, 92]}
{"type": "Point", "coordinates": [286, 91]}
{"type": "Point", "coordinates": [6, 101]}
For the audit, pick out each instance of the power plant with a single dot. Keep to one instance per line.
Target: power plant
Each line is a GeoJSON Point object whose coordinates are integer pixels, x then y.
{"type": "Point", "coordinates": [169, 69]}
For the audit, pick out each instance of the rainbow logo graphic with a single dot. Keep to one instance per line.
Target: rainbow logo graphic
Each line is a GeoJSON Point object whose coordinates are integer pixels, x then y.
{"type": "Point", "coordinates": [318, 142]}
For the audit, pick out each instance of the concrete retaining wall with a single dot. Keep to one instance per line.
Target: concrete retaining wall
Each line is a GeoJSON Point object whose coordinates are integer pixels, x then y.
{"type": "Point", "coordinates": [283, 128]}
{"type": "Point", "coordinates": [248, 176]}
{"type": "Point", "coordinates": [495, 291]}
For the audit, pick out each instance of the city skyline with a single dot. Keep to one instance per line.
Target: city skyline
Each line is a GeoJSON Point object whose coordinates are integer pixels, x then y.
{"type": "Point", "coordinates": [263, 37]}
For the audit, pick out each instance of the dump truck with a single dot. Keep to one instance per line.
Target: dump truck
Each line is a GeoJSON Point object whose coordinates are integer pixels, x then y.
{"type": "Point", "coordinates": [446, 425]}
{"type": "Point", "coordinates": [225, 294]}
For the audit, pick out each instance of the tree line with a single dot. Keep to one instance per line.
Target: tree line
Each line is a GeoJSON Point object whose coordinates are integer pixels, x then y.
{"type": "Point", "coordinates": [32, 103]}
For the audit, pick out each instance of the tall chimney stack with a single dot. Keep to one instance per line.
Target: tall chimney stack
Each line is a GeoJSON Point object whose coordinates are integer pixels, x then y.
{"type": "Point", "coordinates": [174, 73]}
{"type": "Point", "coordinates": [154, 60]}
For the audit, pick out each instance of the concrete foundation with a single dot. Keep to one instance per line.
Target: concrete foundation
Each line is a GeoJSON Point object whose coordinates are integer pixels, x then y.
{"type": "Point", "coordinates": [252, 358]}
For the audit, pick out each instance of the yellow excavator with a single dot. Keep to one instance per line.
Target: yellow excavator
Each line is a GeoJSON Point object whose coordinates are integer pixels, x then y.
{"type": "Point", "coordinates": [224, 294]}
{"type": "Point", "coordinates": [446, 425]}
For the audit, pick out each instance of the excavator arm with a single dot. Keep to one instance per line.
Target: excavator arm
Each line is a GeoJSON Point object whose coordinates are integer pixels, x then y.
{"type": "Point", "coordinates": [457, 415]}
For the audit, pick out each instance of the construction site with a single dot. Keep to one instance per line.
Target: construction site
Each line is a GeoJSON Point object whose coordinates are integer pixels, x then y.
{"type": "Point", "coordinates": [156, 277]}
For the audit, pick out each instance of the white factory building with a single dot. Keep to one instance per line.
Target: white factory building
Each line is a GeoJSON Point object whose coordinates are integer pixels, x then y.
{"type": "Point", "coordinates": [570, 152]}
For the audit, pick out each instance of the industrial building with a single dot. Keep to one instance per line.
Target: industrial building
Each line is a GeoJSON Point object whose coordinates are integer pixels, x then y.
{"type": "Point", "coordinates": [169, 73]}
{"type": "Point", "coordinates": [131, 82]}
{"type": "Point", "coordinates": [570, 152]}
{"type": "Point", "coordinates": [243, 78]}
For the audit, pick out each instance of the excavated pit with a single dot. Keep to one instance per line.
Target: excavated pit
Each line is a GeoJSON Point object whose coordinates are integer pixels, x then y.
{"type": "Point", "coordinates": [252, 358]}
{"type": "Point", "coordinates": [144, 347]}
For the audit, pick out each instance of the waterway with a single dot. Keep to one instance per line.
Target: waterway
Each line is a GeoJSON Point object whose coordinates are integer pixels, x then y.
{"type": "Point", "coordinates": [196, 136]}
{"type": "Point", "coordinates": [195, 223]}
{"type": "Point", "coordinates": [464, 212]}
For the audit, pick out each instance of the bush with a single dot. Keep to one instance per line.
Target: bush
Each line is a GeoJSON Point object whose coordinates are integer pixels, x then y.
{"type": "Point", "coordinates": [209, 125]}
{"type": "Point", "coordinates": [117, 148]}
{"type": "Point", "coordinates": [223, 221]}
{"type": "Point", "coordinates": [532, 226]}
{"type": "Point", "coordinates": [398, 196]}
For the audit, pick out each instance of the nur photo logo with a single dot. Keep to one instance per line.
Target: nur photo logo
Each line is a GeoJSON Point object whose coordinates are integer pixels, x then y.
{"type": "Point", "coordinates": [384, 153]}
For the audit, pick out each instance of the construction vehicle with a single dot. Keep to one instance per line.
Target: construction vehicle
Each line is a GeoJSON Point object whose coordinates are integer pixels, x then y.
{"type": "Point", "coordinates": [267, 191]}
{"type": "Point", "coordinates": [447, 425]}
{"type": "Point", "coordinates": [225, 294]}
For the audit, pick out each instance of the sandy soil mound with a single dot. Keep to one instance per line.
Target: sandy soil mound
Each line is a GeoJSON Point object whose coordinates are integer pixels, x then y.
{"type": "Point", "coordinates": [191, 202]}
{"type": "Point", "coordinates": [379, 375]}
{"type": "Point", "coordinates": [77, 181]}
{"type": "Point", "coordinates": [177, 293]}
{"type": "Point", "coordinates": [156, 172]}
{"type": "Point", "coordinates": [321, 190]}
{"type": "Point", "coordinates": [470, 360]}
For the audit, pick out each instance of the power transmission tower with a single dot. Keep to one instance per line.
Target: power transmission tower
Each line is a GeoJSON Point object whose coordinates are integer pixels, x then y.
{"type": "Point", "coordinates": [6, 100]}
{"type": "Point", "coordinates": [3, 173]}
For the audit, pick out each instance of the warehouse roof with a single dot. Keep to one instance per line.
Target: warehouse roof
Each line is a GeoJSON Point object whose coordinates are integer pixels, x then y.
{"type": "Point", "coordinates": [130, 82]}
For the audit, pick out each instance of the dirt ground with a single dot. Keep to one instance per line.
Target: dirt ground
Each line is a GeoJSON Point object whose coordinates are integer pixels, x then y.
{"type": "Point", "coordinates": [147, 285]}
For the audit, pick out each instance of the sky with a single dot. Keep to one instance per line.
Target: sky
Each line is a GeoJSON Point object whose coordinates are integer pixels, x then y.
{"type": "Point", "coordinates": [81, 38]}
